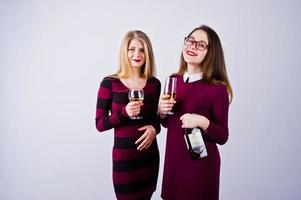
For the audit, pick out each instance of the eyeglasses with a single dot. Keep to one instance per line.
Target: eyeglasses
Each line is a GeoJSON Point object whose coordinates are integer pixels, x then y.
{"type": "Point", "coordinates": [202, 46]}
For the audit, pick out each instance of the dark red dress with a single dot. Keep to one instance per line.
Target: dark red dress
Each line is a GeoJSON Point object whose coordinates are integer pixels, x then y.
{"type": "Point", "coordinates": [184, 178]}
{"type": "Point", "coordinates": [134, 172]}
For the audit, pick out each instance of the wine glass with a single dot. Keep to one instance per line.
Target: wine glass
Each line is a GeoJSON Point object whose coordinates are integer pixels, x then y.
{"type": "Point", "coordinates": [170, 88]}
{"type": "Point", "coordinates": [136, 95]}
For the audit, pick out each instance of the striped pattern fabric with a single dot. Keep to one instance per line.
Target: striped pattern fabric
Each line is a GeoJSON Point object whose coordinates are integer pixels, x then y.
{"type": "Point", "coordinates": [134, 172]}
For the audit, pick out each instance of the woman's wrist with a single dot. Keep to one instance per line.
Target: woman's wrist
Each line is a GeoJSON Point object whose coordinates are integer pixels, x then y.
{"type": "Point", "coordinates": [202, 122]}
{"type": "Point", "coordinates": [162, 115]}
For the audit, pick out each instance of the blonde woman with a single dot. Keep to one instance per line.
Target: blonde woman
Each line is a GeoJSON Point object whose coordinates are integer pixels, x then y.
{"type": "Point", "coordinates": [135, 151]}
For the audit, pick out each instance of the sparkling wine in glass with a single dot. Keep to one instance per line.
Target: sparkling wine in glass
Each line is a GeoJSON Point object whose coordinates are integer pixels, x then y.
{"type": "Point", "coordinates": [170, 88]}
{"type": "Point", "coordinates": [136, 95]}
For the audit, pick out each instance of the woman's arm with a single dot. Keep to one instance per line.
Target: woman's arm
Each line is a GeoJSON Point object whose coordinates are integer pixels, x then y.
{"type": "Point", "coordinates": [216, 128]}
{"type": "Point", "coordinates": [103, 120]}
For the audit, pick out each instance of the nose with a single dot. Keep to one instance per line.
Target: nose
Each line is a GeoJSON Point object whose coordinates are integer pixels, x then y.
{"type": "Point", "coordinates": [136, 53]}
{"type": "Point", "coordinates": [194, 45]}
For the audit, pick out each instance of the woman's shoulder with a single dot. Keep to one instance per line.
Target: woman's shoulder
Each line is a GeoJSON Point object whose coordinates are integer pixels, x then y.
{"type": "Point", "coordinates": [219, 86]}
{"type": "Point", "coordinates": [218, 89]}
{"type": "Point", "coordinates": [107, 81]}
{"type": "Point", "coordinates": [111, 78]}
{"type": "Point", "coordinates": [216, 86]}
{"type": "Point", "coordinates": [176, 75]}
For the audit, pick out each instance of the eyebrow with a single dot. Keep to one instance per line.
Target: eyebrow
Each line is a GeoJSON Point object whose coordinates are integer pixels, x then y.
{"type": "Point", "coordinates": [136, 47]}
{"type": "Point", "coordinates": [133, 47]}
{"type": "Point", "coordinates": [199, 40]}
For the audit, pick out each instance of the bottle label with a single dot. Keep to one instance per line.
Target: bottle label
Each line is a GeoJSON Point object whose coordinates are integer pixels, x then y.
{"type": "Point", "coordinates": [195, 143]}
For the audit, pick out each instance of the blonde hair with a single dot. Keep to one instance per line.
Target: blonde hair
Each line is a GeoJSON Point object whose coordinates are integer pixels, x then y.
{"type": "Point", "coordinates": [213, 65]}
{"type": "Point", "coordinates": [148, 70]}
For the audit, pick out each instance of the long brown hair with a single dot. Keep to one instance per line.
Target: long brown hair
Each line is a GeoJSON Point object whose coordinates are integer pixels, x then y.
{"type": "Point", "coordinates": [148, 70]}
{"type": "Point", "coordinates": [213, 66]}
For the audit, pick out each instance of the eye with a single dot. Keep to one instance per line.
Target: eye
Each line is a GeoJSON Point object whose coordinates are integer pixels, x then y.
{"type": "Point", "coordinates": [189, 41]}
{"type": "Point", "coordinates": [201, 45]}
{"type": "Point", "coordinates": [131, 49]}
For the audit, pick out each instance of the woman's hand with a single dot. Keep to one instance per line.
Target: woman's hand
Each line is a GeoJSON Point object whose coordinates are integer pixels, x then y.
{"type": "Point", "coordinates": [165, 105]}
{"type": "Point", "coordinates": [147, 137]}
{"type": "Point", "coordinates": [193, 120]}
{"type": "Point", "coordinates": [133, 108]}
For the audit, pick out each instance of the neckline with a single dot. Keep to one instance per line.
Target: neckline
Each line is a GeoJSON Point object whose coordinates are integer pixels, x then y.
{"type": "Point", "coordinates": [192, 77]}
{"type": "Point", "coordinates": [189, 83]}
{"type": "Point", "coordinates": [132, 88]}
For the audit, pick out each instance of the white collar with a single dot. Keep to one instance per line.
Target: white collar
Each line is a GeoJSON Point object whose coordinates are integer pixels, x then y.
{"type": "Point", "coordinates": [192, 77]}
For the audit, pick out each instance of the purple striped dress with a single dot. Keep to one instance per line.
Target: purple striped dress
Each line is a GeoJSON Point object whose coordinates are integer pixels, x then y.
{"type": "Point", "coordinates": [135, 172]}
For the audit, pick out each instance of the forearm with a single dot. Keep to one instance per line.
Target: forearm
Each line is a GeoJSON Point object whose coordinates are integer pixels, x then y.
{"type": "Point", "coordinates": [106, 122]}
{"type": "Point", "coordinates": [217, 133]}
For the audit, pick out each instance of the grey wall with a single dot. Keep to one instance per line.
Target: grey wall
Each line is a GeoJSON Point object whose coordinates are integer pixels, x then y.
{"type": "Point", "coordinates": [53, 55]}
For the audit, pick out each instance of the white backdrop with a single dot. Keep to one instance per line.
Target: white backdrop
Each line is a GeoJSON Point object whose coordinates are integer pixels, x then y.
{"type": "Point", "coordinates": [53, 55]}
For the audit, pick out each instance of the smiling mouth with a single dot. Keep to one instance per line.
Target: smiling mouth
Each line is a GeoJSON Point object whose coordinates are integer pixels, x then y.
{"type": "Point", "coordinates": [136, 60]}
{"type": "Point", "coordinates": [191, 53]}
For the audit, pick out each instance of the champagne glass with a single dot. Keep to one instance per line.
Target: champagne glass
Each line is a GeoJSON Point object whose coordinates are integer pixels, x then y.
{"type": "Point", "coordinates": [136, 95]}
{"type": "Point", "coordinates": [170, 88]}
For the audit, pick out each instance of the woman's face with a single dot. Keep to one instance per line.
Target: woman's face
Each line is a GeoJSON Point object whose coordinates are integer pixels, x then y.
{"type": "Point", "coordinates": [136, 54]}
{"type": "Point", "coordinates": [195, 47]}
